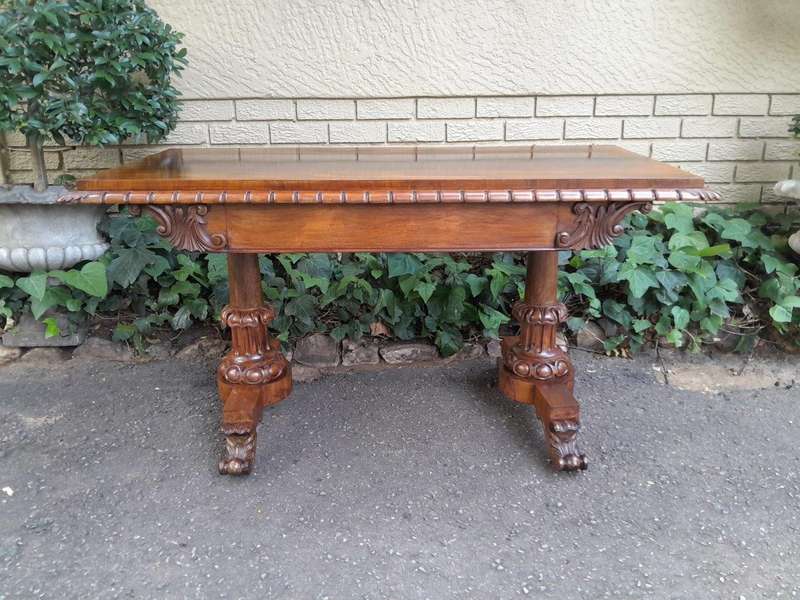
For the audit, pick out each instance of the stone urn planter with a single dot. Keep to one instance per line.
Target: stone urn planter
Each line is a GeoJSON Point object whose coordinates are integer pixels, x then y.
{"type": "Point", "coordinates": [37, 234]}
{"type": "Point", "coordinates": [790, 188]}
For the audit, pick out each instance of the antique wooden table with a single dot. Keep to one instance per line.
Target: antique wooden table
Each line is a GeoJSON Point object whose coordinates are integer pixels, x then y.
{"type": "Point", "coordinates": [392, 199]}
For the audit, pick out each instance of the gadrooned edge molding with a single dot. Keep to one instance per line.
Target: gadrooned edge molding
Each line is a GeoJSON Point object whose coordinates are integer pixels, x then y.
{"type": "Point", "coordinates": [390, 197]}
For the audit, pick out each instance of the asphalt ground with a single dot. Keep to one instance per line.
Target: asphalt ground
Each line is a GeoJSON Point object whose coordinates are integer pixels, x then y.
{"type": "Point", "coordinates": [406, 483]}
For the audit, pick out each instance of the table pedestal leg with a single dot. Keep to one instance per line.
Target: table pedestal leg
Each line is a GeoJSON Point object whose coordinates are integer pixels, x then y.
{"type": "Point", "coordinates": [254, 374]}
{"type": "Point", "coordinates": [534, 370]}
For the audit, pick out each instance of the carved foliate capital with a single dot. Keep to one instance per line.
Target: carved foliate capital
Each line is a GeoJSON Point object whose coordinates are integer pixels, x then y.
{"type": "Point", "coordinates": [185, 226]}
{"type": "Point", "coordinates": [247, 317]}
{"type": "Point", "coordinates": [597, 224]}
{"type": "Point", "coordinates": [538, 314]}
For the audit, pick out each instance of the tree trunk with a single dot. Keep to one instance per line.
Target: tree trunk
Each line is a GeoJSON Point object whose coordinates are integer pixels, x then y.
{"type": "Point", "coordinates": [3, 159]}
{"type": "Point", "coordinates": [36, 147]}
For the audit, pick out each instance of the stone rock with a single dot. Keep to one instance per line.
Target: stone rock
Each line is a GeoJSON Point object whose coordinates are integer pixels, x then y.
{"type": "Point", "coordinates": [408, 352]}
{"type": "Point", "coordinates": [159, 351]}
{"type": "Point", "coordinates": [361, 352]}
{"type": "Point", "coordinates": [304, 374]}
{"type": "Point", "coordinates": [44, 356]}
{"type": "Point", "coordinates": [317, 350]}
{"type": "Point", "coordinates": [493, 349]}
{"type": "Point", "coordinates": [469, 351]}
{"type": "Point", "coordinates": [103, 349]}
{"type": "Point", "coordinates": [591, 337]}
{"type": "Point", "coordinates": [29, 333]}
{"type": "Point", "coordinates": [610, 328]}
{"type": "Point", "coordinates": [204, 347]}
{"type": "Point", "coordinates": [9, 355]}
{"type": "Point", "coordinates": [724, 341]}
{"type": "Point", "coordinates": [794, 241]}
{"type": "Point", "coordinates": [561, 341]}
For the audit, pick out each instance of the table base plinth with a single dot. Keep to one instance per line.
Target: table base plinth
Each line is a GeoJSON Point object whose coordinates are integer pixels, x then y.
{"type": "Point", "coordinates": [242, 405]}
{"type": "Point", "coordinates": [556, 408]}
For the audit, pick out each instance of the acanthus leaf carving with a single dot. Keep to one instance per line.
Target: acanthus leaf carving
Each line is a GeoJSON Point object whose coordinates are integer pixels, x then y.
{"type": "Point", "coordinates": [185, 227]}
{"type": "Point", "coordinates": [563, 440]}
{"type": "Point", "coordinates": [597, 225]}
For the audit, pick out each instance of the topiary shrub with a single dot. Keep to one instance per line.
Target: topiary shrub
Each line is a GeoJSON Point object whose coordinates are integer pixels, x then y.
{"type": "Point", "coordinates": [93, 72]}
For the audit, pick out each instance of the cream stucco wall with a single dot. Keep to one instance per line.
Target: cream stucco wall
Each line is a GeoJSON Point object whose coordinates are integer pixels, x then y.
{"type": "Point", "coordinates": [368, 48]}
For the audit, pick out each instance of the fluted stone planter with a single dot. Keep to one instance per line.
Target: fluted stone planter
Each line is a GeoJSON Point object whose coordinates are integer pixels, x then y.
{"type": "Point", "coordinates": [790, 188]}
{"type": "Point", "coordinates": [37, 234]}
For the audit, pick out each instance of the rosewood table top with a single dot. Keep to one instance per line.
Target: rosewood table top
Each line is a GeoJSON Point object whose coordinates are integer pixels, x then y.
{"type": "Point", "coordinates": [537, 199]}
{"type": "Point", "coordinates": [390, 175]}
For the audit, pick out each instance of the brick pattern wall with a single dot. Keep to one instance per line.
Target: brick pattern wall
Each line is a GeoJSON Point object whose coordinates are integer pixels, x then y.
{"type": "Point", "coordinates": [738, 142]}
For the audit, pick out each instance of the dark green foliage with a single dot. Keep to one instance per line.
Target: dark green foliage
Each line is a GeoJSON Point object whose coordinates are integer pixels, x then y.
{"type": "Point", "coordinates": [86, 72]}
{"type": "Point", "coordinates": [94, 71]}
{"type": "Point", "coordinates": [673, 275]}
{"type": "Point", "coordinates": [687, 277]}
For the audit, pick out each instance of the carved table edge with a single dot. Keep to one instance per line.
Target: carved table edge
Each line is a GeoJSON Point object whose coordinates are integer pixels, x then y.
{"type": "Point", "coordinates": [390, 196]}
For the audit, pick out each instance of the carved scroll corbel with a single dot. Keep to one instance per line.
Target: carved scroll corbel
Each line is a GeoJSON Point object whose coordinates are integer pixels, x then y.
{"type": "Point", "coordinates": [185, 227]}
{"type": "Point", "coordinates": [597, 224]}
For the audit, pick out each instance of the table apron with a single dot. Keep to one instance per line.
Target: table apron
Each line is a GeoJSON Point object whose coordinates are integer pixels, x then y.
{"type": "Point", "coordinates": [390, 228]}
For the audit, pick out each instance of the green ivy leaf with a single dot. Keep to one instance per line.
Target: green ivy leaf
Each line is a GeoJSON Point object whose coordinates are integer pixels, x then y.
{"type": "Point", "coordinates": [718, 250]}
{"type": "Point", "coordinates": [640, 279]}
{"type": "Point", "coordinates": [91, 278]}
{"type": "Point", "coordinates": [425, 290]}
{"type": "Point", "coordinates": [675, 338]}
{"type": "Point", "coordinates": [53, 296]}
{"type": "Point", "coordinates": [695, 241]}
{"type": "Point", "coordinates": [680, 218]}
{"type": "Point", "coordinates": [126, 267]}
{"type": "Point", "coordinates": [791, 302]}
{"type": "Point", "coordinates": [403, 264]}
{"type": "Point", "coordinates": [455, 304]}
{"type": "Point", "coordinates": [491, 319]}
{"type": "Point", "coordinates": [780, 314]}
{"type": "Point", "coordinates": [497, 284]}
{"type": "Point", "coordinates": [711, 324]}
{"type": "Point", "coordinates": [575, 324]}
{"type": "Point", "coordinates": [680, 317]}
{"type": "Point", "coordinates": [34, 285]}
{"type": "Point", "coordinates": [123, 332]}
{"type": "Point", "coordinates": [6, 281]}
{"type": "Point", "coordinates": [736, 229]}
{"type": "Point", "coordinates": [684, 262]}
{"type": "Point", "coordinates": [476, 284]}
{"type": "Point", "coordinates": [449, 341]}
{"type": "Point", "coordinates": [643, 250]}
{"type": "Point", "coordinates": [51, 328]}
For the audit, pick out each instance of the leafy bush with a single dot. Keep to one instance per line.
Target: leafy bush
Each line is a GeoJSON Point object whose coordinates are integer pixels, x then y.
{"type": "Point", "coordinates": [685, 277]}
{"type": "Point", "coordinates": [94, 71]}
{"type": "Point", "coordinates": [672, 275]}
